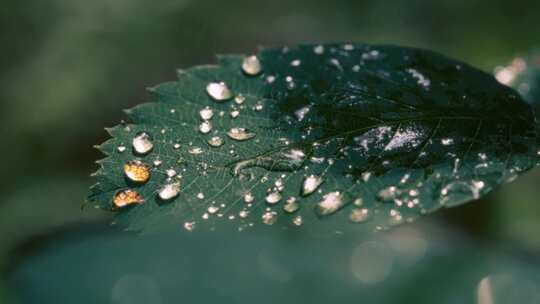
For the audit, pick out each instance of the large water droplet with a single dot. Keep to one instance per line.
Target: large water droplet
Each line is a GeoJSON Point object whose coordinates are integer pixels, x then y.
{"type": "Point", "coordinates": [240, 134]}
{"type": "Point", "coordinates": [169, 191]}
{"type": "Point", "coordinates": [311, 183]}
{"type": "Point", "coordinates": [251, 65]}
{"type": "Point", "coordinates": [283, 160]}
{"type": "Point", "coordinates": [273, 197]}
{"type": "Point", "coordinates": [142, 143]}
{"type": "Point", "coordinates": [137, 171]}
{"type": "Point", "coordinates": [219, 91]}
{"type": "Point", "coordinates": [330, 203]}
{"type": "Point", "coordinates": [127, 197]}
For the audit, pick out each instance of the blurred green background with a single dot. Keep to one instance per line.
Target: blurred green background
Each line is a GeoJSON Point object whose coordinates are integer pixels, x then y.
{"type": "Point", "coordinates": [68, 68]}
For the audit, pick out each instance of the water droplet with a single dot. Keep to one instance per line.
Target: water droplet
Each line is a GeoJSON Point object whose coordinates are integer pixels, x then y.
{"type": "Point", "coordinates": [121, 149]}
{"type": "Point", "coordinates": [296, 62]}
{"type": "Point", "coordinates": [330, 203]}
{"type": "Point", "coordinates": [359, 215]}
{"type": "Point", "coordinates": [447, 141]}
{"type": "Point", "coordinates": [169, 191]}
{"type": "Point", "coordinates": [215, 141]}
{"type": "Point", "coordinates": [137, 171]}
{"type": "Point", "coordinates": [298, 220]}
{"type": "Point", "coordinates": [189, 226]}
{"type": "Point", "coordinates": [273, 197]}
{"type": "Point", "coordinates": [259, 106]}
{"type": "Point", "coordinates": [421, 79]}
{"type": "Point", "coordinates": [269, 217]}
{"type": "Point", "coordinates": [358, 202]}
{"type": "Point", "coordinates": [142, 143]}
{"type": "Point", "coordinates": [240, 134]}
{"type": "Point", "coordinates": [319, 49]}
{"type": "Point", "coordinates": [387, 194]}
{"type": "Point", "coordinates": [176, 146]}
{"type": "Point", "coordinates": [206, 113]}
{"type": "Point", "coordinates": [157, 162]}
{"type": "Point", "coordinates": [213, 209]}
{"type": "Point", "coordinates": [311, 183]}
{"type": "Point", "coordinates": [301, 113]}
{"type": "Point", "coordinates": [127, 197]}
{"type": "Point", "coordinates": [200, 195]}
{"type": "Point", "coordinates": [284, 160]}
{"type": "Point", "coordinates": [171, 173]}
{"type": "Point", "coordinates": [251, 65]}
{"type": "Point", "coordinates": [195, 150]}
{"type": "Point", "coordinates": [205, 127]}
{"type": "Point", "coordinates": [248, 198]}
{"type": "Point", "coordinates": [234, 113]}
{"type": "Point", "coordinates": [219, 91]}
{"type": "Point", "coordinates": [291, 205]}
{"type": "Point", "coordinates": [239, 99]}
{"type": "Point", "coordinates": [243, 214]}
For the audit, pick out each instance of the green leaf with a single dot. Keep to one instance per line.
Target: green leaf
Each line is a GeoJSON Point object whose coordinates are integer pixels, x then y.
{"type": "Point", "coordinates": [410, 264]}
{"type": "Point", "coordinates": [390, 133]}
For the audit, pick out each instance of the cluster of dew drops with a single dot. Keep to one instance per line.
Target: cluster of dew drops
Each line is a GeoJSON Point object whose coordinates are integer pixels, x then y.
{"type": "Point", "coordinates": [139, 172]}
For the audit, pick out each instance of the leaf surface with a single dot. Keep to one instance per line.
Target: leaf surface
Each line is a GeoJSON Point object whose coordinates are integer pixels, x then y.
{"type": "Point", "coordinates": [322, 136]}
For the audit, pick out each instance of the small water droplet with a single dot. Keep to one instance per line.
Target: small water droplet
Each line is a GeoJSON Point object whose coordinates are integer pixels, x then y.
{"type": "Point", "coordinates": [234, 113]}
{"type": "Point", "coordinates": [171, 173]}
{"type": "Point", "coordinates": [127, 197]}
{"type": "Point", "coordinates": [176, 146]}
{"type": "Point", "coordinates": [157, 162]}
{"type": "Point", "coordinates": [169, 191]}
{"type": "Point", "coordinates": [269, 217]}
{"type": "Point", "coordinates": [387, 194]}
{"type": "Point", "coordinates": [358, 202]}
{"type": "Point", "coordinates": [215, 141]}
{"type": "Point", "coordinates": [240, 134]}
{"type": "Point", "coordinates": [291, 205]}
{"type": "Point", "coordinates": [189, 226]}
{"type": "Point", "coordinates": [206, 113]}
{"type": "Point", "coordinates": [301, 113]}
{"type": "Point", "coordinates": [243, 214]}
{"type": "Point", "coordinates": [296, 62]}
{"type": "Point", "coordinates": [319, 49]}
{"type": "Point", "coordinates": [200, 195]}
{"type": "Point", "coordinates": [219, 91]}
{"type": "Point", "coordinates": [273, 197]}
{"type": "Point", "coordinates": [213, 209]}
{"type": "Point", "coordinates": [330, 203]}
{"type": "Point", "coordinates": [259, 106]}
{"type": "Point", "coordinates": [298, 220]}
{"type": "Point", "coordinates": [447, 141]}
{"type": "Point", "coordinates": [248, 198]}
{"type": "Point", "coordinates": [142, 143]}
{"type": "Point", "coordinates": [121, 149]}
{"type": "Point", "coordinates": [359, 215]}
{"type": "Point", "coordinates": [195, 150]}
{"type": "Point", "coordinates": [137, 171]}
{"type": "Point", "coordinates": [239, 99]}
{"type": "Point", "coordinates": [205, 127]}
{"type": "Point", "coordinates": [311, 183]}
{"type": "Point", "coordinates": [251, 65]}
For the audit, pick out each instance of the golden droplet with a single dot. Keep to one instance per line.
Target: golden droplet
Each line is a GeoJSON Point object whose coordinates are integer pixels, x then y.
{"type": "Point", "coordinates": [137, 171]}
{"type": "Point", "coordinates": [127, 197]}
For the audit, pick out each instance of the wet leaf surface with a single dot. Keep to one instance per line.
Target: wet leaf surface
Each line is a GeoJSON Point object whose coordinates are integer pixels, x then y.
{"type": "Point", "coordinates": [315, 137]}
